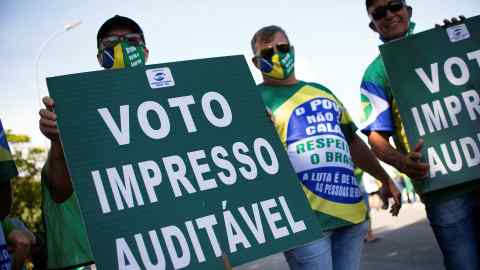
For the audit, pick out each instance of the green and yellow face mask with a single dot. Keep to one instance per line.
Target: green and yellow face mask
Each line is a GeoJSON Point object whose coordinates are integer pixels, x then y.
{"type": "Point", "coordinates": [279, 66]}
{"type": "Point", "coordinates": [122, 55]}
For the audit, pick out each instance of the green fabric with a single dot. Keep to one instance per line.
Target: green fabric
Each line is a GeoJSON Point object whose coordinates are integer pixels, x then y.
{"type": "Point", "coordinates": [8, 170]}
{"type": "Point", "coordinates": [274, 99]}
{"type": "Point", "coordinates": [329, 222]}
{"type": "Point", "coordinates": [8, 226]}
{"type": "Point", "coordinates": [66, 237]}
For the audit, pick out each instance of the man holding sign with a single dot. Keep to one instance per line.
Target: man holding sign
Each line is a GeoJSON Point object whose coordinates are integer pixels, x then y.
{"type": "Point", "coordinates": [450, 210]}
{"type": "Point", "coordinates": [178, 168]}
{"type": "Point", "coordinates": [121, 44]}
{"type": "Point", "coordinates": [320, 140]}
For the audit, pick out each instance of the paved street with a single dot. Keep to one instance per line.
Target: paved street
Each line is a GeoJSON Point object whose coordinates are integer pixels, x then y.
{"type": "Point", "coordinates": [406, 242]}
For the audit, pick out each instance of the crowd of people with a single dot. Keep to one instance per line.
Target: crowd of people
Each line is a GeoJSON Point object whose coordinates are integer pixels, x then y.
{"type": "Point", "coordinates": [344, 221]}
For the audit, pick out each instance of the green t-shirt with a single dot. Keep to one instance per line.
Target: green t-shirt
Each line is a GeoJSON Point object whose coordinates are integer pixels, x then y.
{"type": "Point", "coordinates": [315, 130]}
{"type": "Point", "coordinates": [66, 237]}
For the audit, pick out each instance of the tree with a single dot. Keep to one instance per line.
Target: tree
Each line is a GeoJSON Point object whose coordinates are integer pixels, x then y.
{"type": "Point", "coordinates": [26, 187]}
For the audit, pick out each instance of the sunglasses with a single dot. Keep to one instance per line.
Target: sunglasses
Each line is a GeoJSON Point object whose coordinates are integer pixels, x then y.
{"type": "Point", "coordinates": [267, 53]}
{"type": "Point", "coordinates": [380, 12]}
{"type": "Point", "coordinates": [134, 39]}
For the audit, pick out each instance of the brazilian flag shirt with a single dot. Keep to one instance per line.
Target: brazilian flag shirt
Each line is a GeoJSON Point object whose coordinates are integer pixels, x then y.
{"type": "Point", "coordinates": [315, 130]}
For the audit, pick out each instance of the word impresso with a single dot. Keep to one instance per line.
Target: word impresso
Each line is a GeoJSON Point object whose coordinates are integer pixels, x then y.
{"type": "Point", "coordinates": [124, 183]}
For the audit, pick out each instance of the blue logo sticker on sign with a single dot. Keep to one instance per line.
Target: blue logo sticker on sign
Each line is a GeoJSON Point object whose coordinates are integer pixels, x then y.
{"type": "Point", "coordinates": [160, 77]}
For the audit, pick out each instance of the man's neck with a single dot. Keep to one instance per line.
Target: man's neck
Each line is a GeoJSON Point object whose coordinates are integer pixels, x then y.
{"type": "Point", "coordinates": [291, 80]}
{"type": "Point", "coordinates": [385, 40]}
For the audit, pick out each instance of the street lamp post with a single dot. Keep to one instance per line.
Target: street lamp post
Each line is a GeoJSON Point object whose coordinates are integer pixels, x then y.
{"type": "Point", "coordinates": [67, 27]}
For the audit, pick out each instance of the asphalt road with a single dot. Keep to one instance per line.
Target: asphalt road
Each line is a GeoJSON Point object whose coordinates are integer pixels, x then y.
{"type": "Point", "coordinates": [406, 242]}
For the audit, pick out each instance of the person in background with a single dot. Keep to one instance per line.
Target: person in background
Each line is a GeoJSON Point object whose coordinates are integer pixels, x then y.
{"type": "Point", "coordinates": [19, 241]}
{"type": "Point", "coordinates": [369, 187]}
{"type": "Point", "coordinates": [14, 243]}
{"type": "Point", "coordinates": [8, 171]}
{"type": "Point", "coordinates": [409, 192]}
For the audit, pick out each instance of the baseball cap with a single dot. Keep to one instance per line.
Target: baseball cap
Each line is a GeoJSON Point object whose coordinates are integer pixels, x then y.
{"type": "Point", "coordinates": [118, 21]}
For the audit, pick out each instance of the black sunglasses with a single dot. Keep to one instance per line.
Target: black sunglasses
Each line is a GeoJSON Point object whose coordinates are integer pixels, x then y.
{"type": "Point", "coordinates": [134, 39]}
{"type": "Point", "coordinates": [380, 12]}
{"type": "Point", "coordinates": [267, 53]}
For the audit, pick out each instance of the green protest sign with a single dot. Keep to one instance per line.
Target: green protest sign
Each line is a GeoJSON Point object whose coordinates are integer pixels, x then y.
{"type": "Point", "coordinates": [435, 80]}
{"type": "Point", "coordinates": [176, 164]}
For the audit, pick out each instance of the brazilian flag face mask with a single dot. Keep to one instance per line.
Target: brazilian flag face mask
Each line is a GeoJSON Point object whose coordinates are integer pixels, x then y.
{"type": "Point", "coordinates": [122, 55]}
{"type": "Point", "coordinates": [280, 66]}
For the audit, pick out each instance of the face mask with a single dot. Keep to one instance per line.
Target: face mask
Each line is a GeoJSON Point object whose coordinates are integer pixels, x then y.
{"type": "Point", "coordinates": [122, 55]}
{"type": "Point", "coordinates": [280, 66]}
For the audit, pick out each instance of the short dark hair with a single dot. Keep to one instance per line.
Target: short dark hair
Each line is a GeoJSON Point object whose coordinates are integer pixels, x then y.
{"type": "Point", "coordinates": [368, 3]}
{"type": "Point", "coordinates": [266, 34]}
{"type": "Point", "coordinates": [118, 21]}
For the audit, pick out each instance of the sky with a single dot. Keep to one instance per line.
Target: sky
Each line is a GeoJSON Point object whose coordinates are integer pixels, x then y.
{"type": "Point", "coordinates": [333, 43]}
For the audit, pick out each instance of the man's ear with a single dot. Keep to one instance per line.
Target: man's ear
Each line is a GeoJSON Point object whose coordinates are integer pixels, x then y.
{"type": "Point", "coordinates": [146, 52]}
{"type": "Point", "coordinates": [255, 62]}
{"type": "Point", "coordinates": [99, 58]}
{"type": "Point", "coordinates": [372, 26]}
{"type": "Point", "coordinates": [410, 11]}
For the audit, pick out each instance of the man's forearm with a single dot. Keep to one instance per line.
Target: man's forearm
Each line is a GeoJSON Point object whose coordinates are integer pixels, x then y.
{"type": "Point", "coordinates": [59, 183]}
{"type": "Point", "coordinates": [409, 164]}
{"type": "Point", "coordinates": [364, 158]}
{"type": "Point", "coordinates": [385, 151]}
